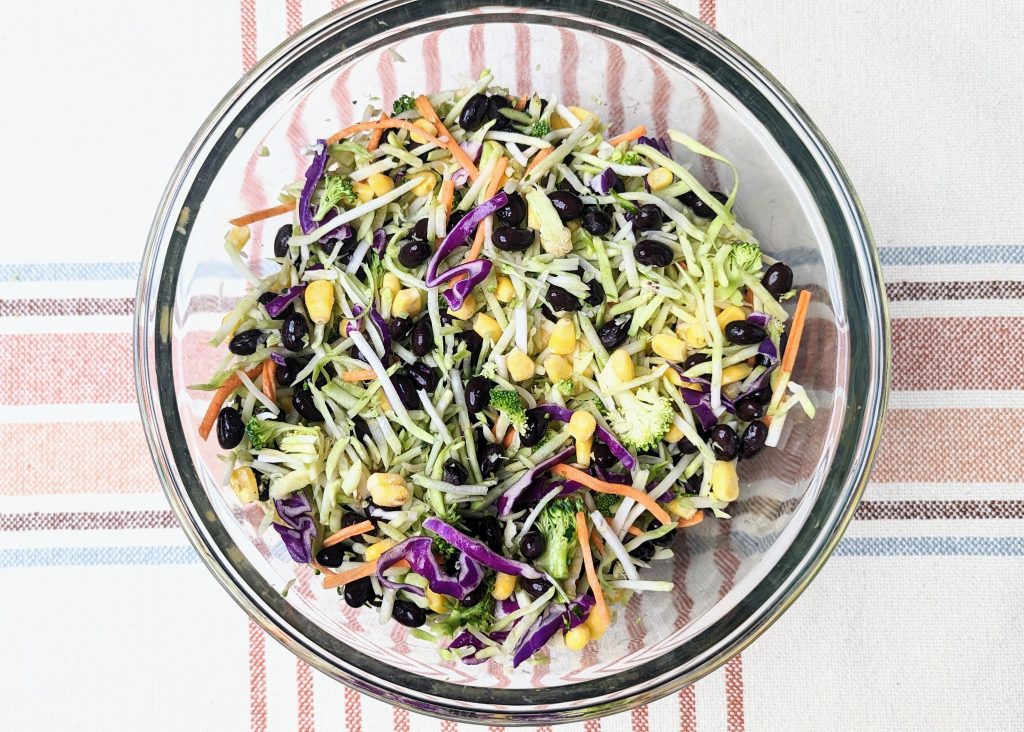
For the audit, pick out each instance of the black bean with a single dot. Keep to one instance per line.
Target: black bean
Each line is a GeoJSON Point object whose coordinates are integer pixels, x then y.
{"type": "Point", "coordinates": [567, 204]}
{"type": "Point", "coordinates": [748, 409]}
{"type": "Point", "coordinates": [693, 359]}
{"type": "Point", "coordinates": [400, 328]}
{"type": "Point", "coordinates": [361, 430]}
{"type": "Point", "coordinates": [495, 104]}
{"type": "Point", "coordinates": [474, 113]}
{"type": "Point", "coordinates": [478, 393]}
{"type": "Point", "coordinates": [534, 587]}
{"type": "Point", "coordinates": [512, 240]}
{"type": "Point", "coordinates": [546, 312]}
{"type": "Point", "coordinates": [302, 400]}
{"type": "Point", "coordinates": [778, 280]}
{"type": "Point", "coordinates": [246, 342]}
{"type": "Point", "coordinates": [454, 472]}
{"type": "Point", "coordinates": [724, 442]}
{"type": "Point", "coordinates": [532, 545]}
{"type": "Point", "coordinates": [665, 540]}
{"type": "Point", "coordinates": [644, 552]}
{"type": "Point", "coordinates": [613, 333]}
{"type": "Point", "coordinates": [764, 396]}
{"type": "Point", "coordinates": [474, 596]}
{"type": "Point", "coordinates": [406, 389]}
{"type": "Point", "coordinates": [420, 229]}
{"type": "Point", "coordinates": [455, 217]}
{"type": "Point", "coordinates": [488, 530]}
{"type": "Point", "coordinates": [474, 343]}
{"type": "Point", "coordinates": [686, 447]}
{"type": "Point", "coordinates": [351, 518]}
{"type": "Point", "coordinates": [414, 253]}
{"type": "Point", "coordinates": [596, 296]}
{"type": "Point", "coordinates": [561, 299]}
{"type": "Point", "coordinates": [422, 337]}
{"type": "Point", "coordinates": [423, 376]}
{"type": "Point", "coordinates": [653, 253]}
{"type": "Point", "coordinates": [266, 297]}
{"type": "Point", "coordinates": [697, 205]}
{"type": "Point", "coordinates": [596, 221]}
{"type": "Point", "coordinates": [230, 428]}
{"type": "Point", "coordinates": [512, 213]}
{"type": "Point", "coordinates": [533, 430]}
{"type": "Point", "coordinates": [744, 333]}
{"type": "Point", "coordinates": [281, 241]}
{"type": "Point", "coordinates": [692, 485]}
{"type": "Point", "coordinates": [753, 438]}
{"type": "Point", "coordinates": [331, 556]}
{"type": "Point", "coordinates": [294, 331]}
{"type": "Point", "coordinates": [359, 592]}
{"type": "Point", "coordinates": [262, 487]}
{"type": "Point", "coordinates": [647, 218]}
{"type": "Point", "coordinates": [490, 458]}
{"type": "Point", "coordinates": [285, 374]}
{"type": "Point", "coordinates": [603, 456]}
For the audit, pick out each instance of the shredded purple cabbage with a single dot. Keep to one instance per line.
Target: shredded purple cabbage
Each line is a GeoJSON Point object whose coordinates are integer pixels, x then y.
{"type": "Point", "coordinates": [563, 414]}
{"type": "Point", "coordinates": [510, 498]}
{"type": "Point", "coordinates": [604, 182]}
{"type": "Point", "coordinates": [658, 143]}
{"type": "Point", "coordinates": [555, 618]}
{"type": "Point", "coordinates": [419, 553]}
{"type": "Point", "coordinates": [478, 550]}
{"type": "Point", "coordinates": [314, 173]}
{"type": "Point", "coordinates": [476, 272]}
{"type": "Point", "coordinates": [299, 529]}
{"type": "Point", "coordinates": [700, 403]}
{"type": "Point", "coordinates": [382, 328]}
{"type": "Point", "coordinates": [539, 489]}
{"type": "Point", "coordinates": [465, 639]}
{"type": "Point", "coordinates": [380, 241]}
{"type": "Point", "coordinates": [276, 306]}
{"type": "Point", "coordinates": [458, 236]}
{"type": "Point", "coordinates": [278, 358]}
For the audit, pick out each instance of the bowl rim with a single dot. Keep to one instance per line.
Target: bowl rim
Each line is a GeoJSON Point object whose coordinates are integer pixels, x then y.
{"type": "Point", "coordinates": [801, 560]}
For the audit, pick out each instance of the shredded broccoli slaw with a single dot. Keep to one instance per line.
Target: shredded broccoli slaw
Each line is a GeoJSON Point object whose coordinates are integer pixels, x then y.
{"type": "Point", "coordinates": [505, 358]}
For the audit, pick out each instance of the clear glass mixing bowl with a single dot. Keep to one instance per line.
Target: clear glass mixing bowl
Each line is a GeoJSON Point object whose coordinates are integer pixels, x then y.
{"type": "Point", "coordinates": [632, 62]}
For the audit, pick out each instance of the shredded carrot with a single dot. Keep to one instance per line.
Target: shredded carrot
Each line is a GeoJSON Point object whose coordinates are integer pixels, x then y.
{"type": "Point", "coordinates": [364, 375]}
{"type": "Point", "coordinates": [263, 213]}
{"type": "Point", "coordinates": [628, 491]}
{"type": "Point", "coordinates": [220, 396]}
{"type": "Point", "coordinates": [323, 570]}
{"type": "Point", "coordinates": [348, 532]}
{"type": "Point", "coordinates": [269, 379]}
{"type": "Point", "coordinates": [489, 193]}
{"type": "Point", "coordinates": [350, 575]}
{"type": "Point", "coordinates": [634, 531]}
{"type": "Point", "coordinates": [506, 441]}
{"type": "Point", "coordinates": [537, 158]}
{"type": "Point", "coordinates": [749, 297]}
{"type": "Point", "coordinates": [628, 136]}
{"type": "Point", "coordinates": [600, 611]}
{"type": "Point", "coordinates": [692, 521]}
{"type": "Point", "coordinates": [598, 542]}
{"type": "Point", "coordinates": [796, 331]}
{"type": "Point", "coordinates": [377, 134]}
{"type": "Point", "coordinates": [427, 110]}
{"type": "Point", "coordinates": [521, 104]}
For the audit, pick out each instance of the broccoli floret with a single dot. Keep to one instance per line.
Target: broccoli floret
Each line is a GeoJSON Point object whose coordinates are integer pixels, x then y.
{"type": "Point", "coordinates": [566, 387]}
{"type": "Point", "coordinates": [642, 419]}
{"type": "Point", "coordinates": [403, 104]}
{"type": "Point", "coordinates": [606, 503]}
{"type": "Point", "coordinates": [336, 189]}
{"type": "Point", "coordinates": [479, 616]}
{"type": "Point", "coordinates": [508, 403]}
{"type": "Point", "coordinates": [746, 256]}
{"type": "Point", "coordinates": [445, 549]}
{"type": "Point", "coordinates": [557, 523]}
{"type": "Point", "coordinates": [260, 433]}
{"type": "Point", "coordinates": [630, 157]}
{"type": "Point", "coordinates": [540, 128]}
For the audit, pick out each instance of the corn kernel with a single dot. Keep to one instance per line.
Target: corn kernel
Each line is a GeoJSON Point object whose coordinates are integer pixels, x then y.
{"type": "Point", "coordinates": [363, 191]}
{"type": "Point", "coordinates": [622, 365]}
{"type": "Point", "coordinates": [375, 550]}
{"type": "Point", "coordinates": [388, 489]}
{"type": "Point", "coordinates": [319, 298]}
{"type": "Point", "coordinates": [407, 303]}
{"type": "Point", "coordinates": [557, 368]}
{"type": "Point", "coordinates": [669, 347]}
{"type": "Point", "coordinates": [541, 336]}
{"type": "Point", "coordinates": [237, 237]}
{"type": "Point", "coordinates": [736, 372]}
{"type": "Point", "coordinates": [563, 337]}
{"type": "Point", "coordinates": [674, 378]}
{"type": "Point", "coordinates": [577, 638]}
{"type": "Point", "coordinates": [673, 435]}
{"type": "Point", "coordinates": [380, 184]}
{"type": "Point", "coordinates": [659, 178]}
{"type": "Point", "coordinates": [680, 507]}
{"type": "Point", "coordinates": [724, 483]}
{"type": "Point", "coordinates": [435, 601]}
{"type": "Point", "coordinates": [584, 448]}
{"type": "Point", "coordinates": [520, 366]}
{"type": "Point", "coordinates": [730, 314]}
{"type": "Point", "coordinates": [426, 184]}
{"type": "Point", "coordinates": [582, 425]}
{"type": "Point", "coordinates": [504, 586]}
{"type": "Point", "coordinates": [504, 291]}
{"type": "Point", "coordinates": [427, 126]}
{"type": "Point", "coordinates": [694, 336]}
{"type": "Point", "coordinates": [243, 483]}
{"type": "Point", "coordinates": [487, 327]}
{"type": "Point", "coordinates": [469, 307]}
{"type": "Point", "coordinates": [391, 282]}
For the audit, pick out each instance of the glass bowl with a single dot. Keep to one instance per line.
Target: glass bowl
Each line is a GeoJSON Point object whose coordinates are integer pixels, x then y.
{"type": "Point", "coordinates": [632, 62]}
